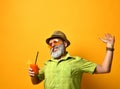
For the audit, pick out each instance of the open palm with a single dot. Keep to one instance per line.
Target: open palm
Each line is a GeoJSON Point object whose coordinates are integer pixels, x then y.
{"type": "Point", "coordinates": [108, 39]}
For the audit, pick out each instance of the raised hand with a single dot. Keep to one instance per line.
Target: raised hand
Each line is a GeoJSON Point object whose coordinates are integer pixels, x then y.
{"type": "Point", "coordinates": [109, 40]}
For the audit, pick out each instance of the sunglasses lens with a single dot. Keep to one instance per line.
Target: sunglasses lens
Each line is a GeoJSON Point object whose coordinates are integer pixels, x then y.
{"type": "Point", "coordinates": [56, 43]}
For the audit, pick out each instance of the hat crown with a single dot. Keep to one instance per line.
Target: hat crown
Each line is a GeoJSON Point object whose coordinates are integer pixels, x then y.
{"type": "Point", "coordinates": [59, 33]}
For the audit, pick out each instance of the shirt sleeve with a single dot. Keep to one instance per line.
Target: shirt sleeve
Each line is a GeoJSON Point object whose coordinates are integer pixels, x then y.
{"type": "Point", "coordinates": [41, 74]}
{"type": "Point", "coordinates": [86, 66]}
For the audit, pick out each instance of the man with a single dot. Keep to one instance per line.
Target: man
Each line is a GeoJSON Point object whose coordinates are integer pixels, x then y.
{"type": "Point", "coordinates": [63, 71]}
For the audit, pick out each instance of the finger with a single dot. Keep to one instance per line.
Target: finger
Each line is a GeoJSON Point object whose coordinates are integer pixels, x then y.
{"type": "Point", "coordinates": [106, 36]}
{"type": "Point", "coordinates": [103, 39]}
{"type": "Point", "coordinates": [32, 75]}
{"type": "Point", "coordinates": [113, 38]}
{"type": "Point", "coordinates": [31, 72]}
{"type": "Point", "coordinates": [30, 69]}
{"type": "Point", "coordinates": [109, 35]}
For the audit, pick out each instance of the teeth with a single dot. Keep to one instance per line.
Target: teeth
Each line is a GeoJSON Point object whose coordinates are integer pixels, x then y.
{"type": "Point", "coordinates": [55, 49]}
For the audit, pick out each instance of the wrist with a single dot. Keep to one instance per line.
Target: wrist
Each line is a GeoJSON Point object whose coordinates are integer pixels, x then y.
{"type": "Point", "coordinates": [110, 45]}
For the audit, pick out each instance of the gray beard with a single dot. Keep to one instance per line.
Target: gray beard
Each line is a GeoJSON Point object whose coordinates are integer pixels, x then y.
{"type": "Point", "coordinates": [59, 53]}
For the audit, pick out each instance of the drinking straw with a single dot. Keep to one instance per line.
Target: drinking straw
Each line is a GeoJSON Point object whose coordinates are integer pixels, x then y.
{"type": "Point", "coordinates": [36, 57]}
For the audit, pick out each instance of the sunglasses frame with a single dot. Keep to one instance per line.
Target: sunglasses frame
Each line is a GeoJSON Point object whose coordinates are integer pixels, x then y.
{"type": "Point", "coordinates": [56, 42]}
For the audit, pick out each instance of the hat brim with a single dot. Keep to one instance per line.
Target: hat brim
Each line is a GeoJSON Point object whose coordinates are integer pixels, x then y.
{"type": "Point", "coordinates": [48, 39]}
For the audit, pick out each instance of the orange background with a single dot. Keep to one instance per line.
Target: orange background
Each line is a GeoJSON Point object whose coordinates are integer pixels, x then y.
{"type": "Point", "coordinates": [25, 25]}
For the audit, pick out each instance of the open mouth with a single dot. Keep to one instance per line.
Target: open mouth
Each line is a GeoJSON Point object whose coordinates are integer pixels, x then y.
{"type": "Point", "coordinates": [54, 49]}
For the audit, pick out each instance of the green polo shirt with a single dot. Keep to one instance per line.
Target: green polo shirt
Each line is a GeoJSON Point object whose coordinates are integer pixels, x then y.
{"type": "Point", "coordinates": [65, 74]}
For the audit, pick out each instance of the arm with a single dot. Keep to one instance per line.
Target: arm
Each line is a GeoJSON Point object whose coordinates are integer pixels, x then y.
{"type": "Point", "coordinates": [105, 67]}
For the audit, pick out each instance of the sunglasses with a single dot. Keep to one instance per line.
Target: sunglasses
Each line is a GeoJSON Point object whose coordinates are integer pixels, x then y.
{"type": "Point", "coordinates": [55, 42]}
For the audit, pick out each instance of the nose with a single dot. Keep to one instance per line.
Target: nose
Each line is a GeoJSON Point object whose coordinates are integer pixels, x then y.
{"type": "Point", "coordinates": [53, 44]}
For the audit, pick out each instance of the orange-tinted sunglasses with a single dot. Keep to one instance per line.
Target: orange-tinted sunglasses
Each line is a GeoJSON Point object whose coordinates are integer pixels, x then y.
{"type": "Point", "coordinates": [56, 42]}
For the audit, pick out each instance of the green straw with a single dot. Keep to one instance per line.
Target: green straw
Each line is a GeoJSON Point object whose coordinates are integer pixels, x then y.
{"type": "Point", "coordinates": [36, 57]}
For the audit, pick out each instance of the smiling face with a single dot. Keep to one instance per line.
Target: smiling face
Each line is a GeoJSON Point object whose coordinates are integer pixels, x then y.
{"type": "Point", "coordinates": [57, 48]}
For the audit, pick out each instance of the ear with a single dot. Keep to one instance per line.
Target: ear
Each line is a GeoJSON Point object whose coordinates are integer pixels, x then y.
{"type": "Point", "coordinates": [65, 43]}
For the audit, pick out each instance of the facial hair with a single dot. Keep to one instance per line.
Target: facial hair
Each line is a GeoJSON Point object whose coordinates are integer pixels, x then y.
{"type": "Point", "coordinates": [60, 51]}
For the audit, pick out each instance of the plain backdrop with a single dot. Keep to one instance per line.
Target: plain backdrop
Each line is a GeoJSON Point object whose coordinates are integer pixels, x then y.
{"type": "Point", "coordinates": [25, 25]}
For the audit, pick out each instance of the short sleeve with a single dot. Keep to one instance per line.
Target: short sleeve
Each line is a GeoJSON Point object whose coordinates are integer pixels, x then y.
{"type": "Point", "coordinates": [41, 74]}
{"type": "Point", "coordinates": [86, 66]}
